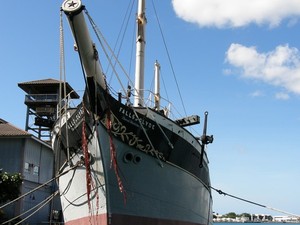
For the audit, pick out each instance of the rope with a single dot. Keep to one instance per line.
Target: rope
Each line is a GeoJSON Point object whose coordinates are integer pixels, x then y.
{"type": "Point", "coordinates": [99, 37]}
{"type": "Point", "coordinates": [169, 58]}
{"type": "Point", "coordinates": [62, 72]}
{"type": "Point", "coordinates": [120, 40]}
{"type": "Point", "coordinates": [86, 161]}
{"type": "Point", "coordinates": [113, 156]}
{"type": "Point", "coordinates": [45, 203]}
{"type": "Point", "coordinates": [42, 204]}
{"type": "Point", "coordinates": [254, 203]}
{"type": "Point", "coordinates": [164, 134]}
{"type": "Point", "coordinates": [146, 134]}
{"type": "Point", "coordinates": [35, 189]}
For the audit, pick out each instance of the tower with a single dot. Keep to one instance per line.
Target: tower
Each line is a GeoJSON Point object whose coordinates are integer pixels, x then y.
{"type": "Point", "coordinates": [42, 99]}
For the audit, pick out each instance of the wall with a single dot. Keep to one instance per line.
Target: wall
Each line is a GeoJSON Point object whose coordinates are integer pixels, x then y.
{"type": "Point", "coordinates": [35, 161]}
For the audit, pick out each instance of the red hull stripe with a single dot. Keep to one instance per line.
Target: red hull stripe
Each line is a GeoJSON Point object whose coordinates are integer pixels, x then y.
{"type": "Point", "coordinates": [95, 219]}
{"type": "Point", "coordinates": [137, 220]}
{"type": "Point", "coordinates": [118, 219]}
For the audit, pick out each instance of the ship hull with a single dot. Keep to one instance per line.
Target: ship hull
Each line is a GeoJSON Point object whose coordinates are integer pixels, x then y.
{"type": "Point", "coordinates": [126, 164]}
{"type": "Point", "coordinates": [156, 192]}
{"type": "Point", "coordinates": [131, 185]}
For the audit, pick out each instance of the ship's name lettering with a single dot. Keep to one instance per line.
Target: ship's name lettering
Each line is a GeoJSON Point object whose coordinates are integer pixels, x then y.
{"type": "Point", "coordinates": [135, 119]}
{"type": "Point", "coordinates": [74, 122]}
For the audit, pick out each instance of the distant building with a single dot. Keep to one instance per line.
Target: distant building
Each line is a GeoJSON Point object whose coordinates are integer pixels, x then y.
{"type": "Point", "coordinates": [250, 218]}
{"type": "Point", "coordinates": [286, 219]}
{"type": "Point", "coordinates": [243, 219]}
{"type": "Point", "coordinates": [21, 152]}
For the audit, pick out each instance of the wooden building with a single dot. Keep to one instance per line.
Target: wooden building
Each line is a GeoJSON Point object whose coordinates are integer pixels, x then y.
{"type": "Point", "coordinates": [22, 152]}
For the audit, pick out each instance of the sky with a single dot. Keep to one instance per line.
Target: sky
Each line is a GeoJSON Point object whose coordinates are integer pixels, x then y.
{"type": "Point", "coordinates": [239, 60]}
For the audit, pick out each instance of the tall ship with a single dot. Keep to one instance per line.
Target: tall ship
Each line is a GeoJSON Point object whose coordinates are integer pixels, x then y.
{"type": "Point", "coordinates": [126, 163]}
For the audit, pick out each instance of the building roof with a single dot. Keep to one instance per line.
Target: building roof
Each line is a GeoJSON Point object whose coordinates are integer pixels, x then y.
{"type": "Point", "coordinates": [46, 86]}
{"type": "Point", "coordinates": [9, 130]}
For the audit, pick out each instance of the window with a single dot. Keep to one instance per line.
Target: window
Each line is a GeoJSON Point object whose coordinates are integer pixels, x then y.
{"type": "Point", "coordinates": [26, 167]}
{"type": "Point", "coordinates": [36, 170]}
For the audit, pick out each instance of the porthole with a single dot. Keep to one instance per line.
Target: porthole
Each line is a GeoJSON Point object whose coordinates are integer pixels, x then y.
{"type": "Point", "coordinates": [137, 159]}
{"type": "Point", "coordinates": [128, 157]}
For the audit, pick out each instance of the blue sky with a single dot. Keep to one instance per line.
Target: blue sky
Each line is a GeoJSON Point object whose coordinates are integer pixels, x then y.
{"type": "Point", "coordinates": [237, 59]}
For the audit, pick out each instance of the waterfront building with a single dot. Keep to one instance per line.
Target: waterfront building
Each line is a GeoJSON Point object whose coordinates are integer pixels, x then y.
{"type": "Point", "coordinates": [286, 219]}
{"type": "Point", "coordinates": [22, 152]}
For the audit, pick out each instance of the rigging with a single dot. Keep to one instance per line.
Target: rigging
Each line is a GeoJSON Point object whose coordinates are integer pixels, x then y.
{"type": "Point", "coordinates": [252, 202]}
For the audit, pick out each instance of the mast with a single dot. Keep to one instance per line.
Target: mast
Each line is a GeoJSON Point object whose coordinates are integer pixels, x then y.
{"type": "Point", "coordinates": [140, 55]}
{"type": "Point", "coordinates": [157, 85]}
{"type": "Point", "coordinates": [86, 48]}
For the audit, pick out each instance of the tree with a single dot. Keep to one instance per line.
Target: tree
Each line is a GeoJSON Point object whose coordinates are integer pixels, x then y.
{"type": "Point", "coordinates": [245, 215]}
{"type": "Point", "coordinates": [231, 215]}
{"type": "Point", "coordinates": [9, 186]}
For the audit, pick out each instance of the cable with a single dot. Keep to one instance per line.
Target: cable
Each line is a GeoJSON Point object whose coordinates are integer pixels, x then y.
{"type": "Point", "coordinates": [33, 190]}
{"type": "Point", "coordinates": [169, 58]}
{"type": "Point", "coordinates": [254, 203]}
{"type": "Point", "coordinates": [119, 41]}
{"type": "Point", "coordinates": [43, 203]}
{"type": "Point", "coordinates": [99, 35]}
{"type": "Point", "coordinates": [62, 72]}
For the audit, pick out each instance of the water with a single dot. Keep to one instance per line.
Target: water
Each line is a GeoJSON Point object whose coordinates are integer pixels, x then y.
{"type": "Point", "coordinates": [267, 223]}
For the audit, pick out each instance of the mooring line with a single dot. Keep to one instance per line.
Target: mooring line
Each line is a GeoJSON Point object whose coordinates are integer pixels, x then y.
{"type": "Point", "coordinates": [36, 208]}
{"type": "Point", "coordinates": [39, 187]}
{"type": "Point", "coordinates": [254, 203]}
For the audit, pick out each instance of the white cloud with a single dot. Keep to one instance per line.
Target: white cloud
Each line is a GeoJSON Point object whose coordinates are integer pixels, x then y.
{"type": "Point", "coordinates": [227, 71]}
{"type": "Point", "coordinates": [236, 13]}
{"type": "Point", "coordinates": [280, 67]}
{"type": "Point", "coordinates": [282, 96]}
{"type": "Point", "coordinates": [257, 93]}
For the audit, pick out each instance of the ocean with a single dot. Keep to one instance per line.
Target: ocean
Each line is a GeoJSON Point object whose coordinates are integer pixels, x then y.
{"type": "Point", "coordinates": [266, 223]}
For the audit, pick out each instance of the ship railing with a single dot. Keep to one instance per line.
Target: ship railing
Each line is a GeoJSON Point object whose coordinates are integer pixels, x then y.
{"type": "Point", "coordinates": [165, 106]}
{"type": "Point", "coordinates": [169, 110]}
{"type": "Point", "coordinates": [67, 102]}
{"type": "Point", "coordinates": [41, 98]}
